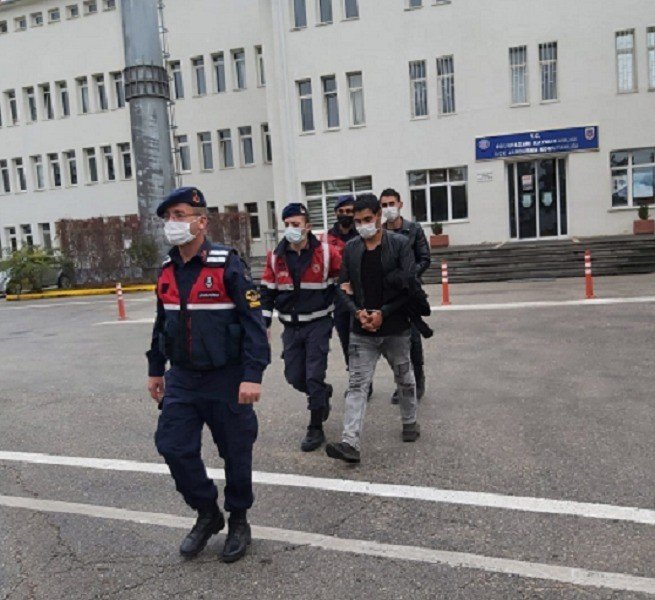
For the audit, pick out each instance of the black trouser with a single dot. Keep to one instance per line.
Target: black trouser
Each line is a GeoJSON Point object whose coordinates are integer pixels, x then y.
{"type": "Point", "coordinates": [416, 352]}
{"type": "Point", "coordinates": [305, 354]}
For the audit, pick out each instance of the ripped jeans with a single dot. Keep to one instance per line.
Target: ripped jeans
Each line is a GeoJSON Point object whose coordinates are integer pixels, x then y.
{"type": "Point", "coordinates": [364, 352]}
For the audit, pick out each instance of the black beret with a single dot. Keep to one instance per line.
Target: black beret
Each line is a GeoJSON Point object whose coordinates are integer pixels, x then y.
{"type": "Point", "coordinates": [293, 210]}
{"type": "Point", "coordinates": [184, 195]}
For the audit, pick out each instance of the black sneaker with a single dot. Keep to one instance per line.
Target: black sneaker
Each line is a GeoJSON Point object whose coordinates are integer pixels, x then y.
{"type": "Point", "coordinates": [343, 451]}
{"type": "Point", "coordinates": [313, 439]}
{"type": "Point", "coordinates": [411, 432]}
{"type": "Point", "coordinates": [326, 410]}
{"type": "Point", "coordinates": [237, 541]}
{"type": "Point", "coordinates": [208, 523]}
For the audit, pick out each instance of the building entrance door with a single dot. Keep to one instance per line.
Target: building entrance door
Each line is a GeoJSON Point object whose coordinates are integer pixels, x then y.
{"type": "Point", "coordinates": [537, 199]}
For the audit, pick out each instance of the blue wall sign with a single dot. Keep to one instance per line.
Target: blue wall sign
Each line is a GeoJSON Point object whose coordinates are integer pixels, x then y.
{"type": "Point", "coordinates": [574, 139]}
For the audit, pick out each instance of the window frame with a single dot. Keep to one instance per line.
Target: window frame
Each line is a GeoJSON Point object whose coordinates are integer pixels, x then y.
{"type": "Point", "coordinates": [182, 149]}
{"type": "Point", "coordinates": [5, 177]}
{"type": "Point", "coordinates": [48, 109]}
{"type": "Point", "coordinates": [36, 19]}
{"type": "Point", "coordinates": [52, 12]}
{"type": "Point", "coordinates": [515, 67]}
{"type": "Point", "coordinates": [54, 170]}
{"type": "Point", "coordinates": [307, 98]}
{"type": "Point", "coordinates": [246, 137]}
{"type": "Point", "coordinates": [444, 103]}
{"type": "Point", "coordinates": [413, 83]}
{"type": "Point", "coordinates": [650, 57]}
{"type": "Point", "coordinates": [344, 6]}
{"type": "Point", "coordinates": [90, 7]}
{"type": "Point", "coordinates": [327, 212]}
{"type": "Point", "coordinates": [239, 85]}
{"type": "Point", "coordinates": [125, 152]}
{"type": "Point", "coordinates": [83, 96]}
{"type": "Point", "coordinates": [206, 151]}
{"type": "Point", "coordinates": [448, 184]}
{"type": "Point", "coordinates": [253, 215]}
{"type": "Point", "coordinates": [72, 11]}
{"type": "Point", "coordinates": [319, 12]}
{"type": "Point", "coordinates": [31, 109]}
{"type": "Point", "coordinates": [100, 88]}
{"type": "Point", "coordinates": [199, 76]}
{"type": "Point", "coordinates": [352, 90]}
{"type": "Point", "coordinates": [622, 51]}
{"type": "Point", "coordinates": [70, 157]}
{"type": "Point", "coordinates": [629, 169]}
{"type": "Point", "coordinates": [38, 174]}
{"type": "Point", "coordinates": [91, 157]}
{"type": "Point", "coordinates": [267, 144]}
{"type": "Point", "coordinates": [223, 143]}
{"type": "Point", "coordinates": [108, 163]}
{"type": "Point", "coordinates": [260, 66]}
{"type": "Point", "coordinates": [175, 70]}
{"type": "Point", "coordinates": [549, 70]}
{"type": "Point", "coordinates": [20, 24]}
{"type": "Point", "coordinates": [218, 66]}
{"type": "Point", "coordinates": [328, 96]}
{"type": "Point", "coordinates": [20, 177]}
{"type": "Point", "coordinates": [294, 4]}
{"type": "Point", "coordinates": [63, 108]}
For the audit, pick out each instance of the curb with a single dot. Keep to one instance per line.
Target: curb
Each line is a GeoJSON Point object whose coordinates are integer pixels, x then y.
{"type": "Point", "coordinates": [78, 293]}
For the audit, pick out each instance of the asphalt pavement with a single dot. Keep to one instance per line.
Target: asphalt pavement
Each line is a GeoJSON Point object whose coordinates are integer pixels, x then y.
{"type": "Point", "coordinates": [533, 476]}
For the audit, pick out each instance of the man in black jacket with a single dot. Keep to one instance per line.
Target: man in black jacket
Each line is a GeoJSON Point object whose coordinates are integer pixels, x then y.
{"type": "Point", "coordinates": [380, 326]}
{"type": "Point", "coordinates": [391, 207]}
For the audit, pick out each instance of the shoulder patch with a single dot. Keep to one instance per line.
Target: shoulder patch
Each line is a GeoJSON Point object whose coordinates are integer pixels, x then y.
{"type": "Point", "coordinates": [253, 297]}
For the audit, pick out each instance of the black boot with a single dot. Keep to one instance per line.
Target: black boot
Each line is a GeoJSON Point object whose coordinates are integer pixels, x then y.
{"type": "Point", "coordinates": [343, 451]}
{"type": "Point", "coordinates": [313, 439]}
{"type": "Point", "coordinates": [237, 541]}
{"type": "Point", "coordinates": [209, 522]}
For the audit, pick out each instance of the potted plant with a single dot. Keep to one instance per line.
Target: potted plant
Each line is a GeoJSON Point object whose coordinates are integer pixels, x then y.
{"type": "Point", "coordinates": [438, 239]}
{"type": "Point", "coordinates": [644, 225]}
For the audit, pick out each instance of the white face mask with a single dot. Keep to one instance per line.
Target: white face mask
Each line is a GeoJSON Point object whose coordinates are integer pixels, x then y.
{"type": "Point", "coordinates": [367, 231]}
{"type": "Point", "coordinates": [294, 235]}
{"type": "Point", "coordinates": [178, 233]}
{"type": "Point", "coordinates": [390, 213]}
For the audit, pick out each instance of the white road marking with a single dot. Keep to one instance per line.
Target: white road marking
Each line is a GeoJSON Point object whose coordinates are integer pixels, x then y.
{"type": "Point", "coordinates": [568, 575]}
{"type": "Point", "coordinates": [586, 510]}
{"type": "Point", "coordinates": [71, 303]}
{"type": "Point", "coordinates": [544, 304]}
{"type": "Point", "coordinates": [128, 321]}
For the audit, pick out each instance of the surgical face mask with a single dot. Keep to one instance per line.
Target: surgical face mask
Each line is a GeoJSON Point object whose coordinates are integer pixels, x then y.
{"type": "Point", "coordinates": [294, 235]}
{"type": "Point", "coordinates": [368, 230]}
{"type": "Point", "coordinates": [346, 221]}
{"type": "Point", "coordinates": [178, 233]}
{"type": "Point", "coordinates": [390, 213]}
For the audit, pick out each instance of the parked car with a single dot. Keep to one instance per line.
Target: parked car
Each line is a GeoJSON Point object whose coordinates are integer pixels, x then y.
{"type": "Point", "coordinates": [54, 275]}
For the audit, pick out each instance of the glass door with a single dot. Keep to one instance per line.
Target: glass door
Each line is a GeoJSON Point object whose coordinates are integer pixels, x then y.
{"type": "Point", "coordinates": [537, 198]}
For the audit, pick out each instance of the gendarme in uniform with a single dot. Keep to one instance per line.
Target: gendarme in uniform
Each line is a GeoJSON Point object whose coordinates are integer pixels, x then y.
{"type": "Point", "coordinates": [210, 328]}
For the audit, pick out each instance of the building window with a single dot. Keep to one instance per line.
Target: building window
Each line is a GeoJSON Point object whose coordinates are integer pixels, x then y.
{"type": "Point", "coordinates": [126, 160]}
{"type": "Point", "coordinates": [30, 102]}
{"type": "Point", "coordinates": [71, 167]}
{"type": "Point", "coordinates": [90, 7]}
{"type": "Point", "coordinates": [37, 171]}
{"type": "Point", "coordinates": [20, 24]}
{"type": "Point", "coordinates": [46, 101]}
{"type": "Point", "coordinates": [325, 11]}
{"type": "Point", "coordinates": [518, 72]}
{"type": "Point", "coordinates": [261, 73]}
{"type": "Point", "coordinates": [418, 88]}
{"type": "Point", "coordinates": [198, 67]}
{"type": "Point", "coordinates": [446, 84]}
{"type": "Point", "coordinates": [83, 95]}
{"type": "Point", "coordinates": [3, 27]}
{"type": "Point", "coordinates": [91, 165]}
{"type": "Point", "coordinates": [218, 60]}
{"type": "Point", "coordinates": [356, 93]}
{"type": "Point", "coordinates": [321, 196]}
{"type": "Point", "coordinates": [650, 41]}
{"type": "Point", "coordinates": [72, 11]}
{"type": "Point", "coordinates": [330, 101]}
{"type": "Point", "coordinates": [5, 179]}
{"type": "Point", "coordinates": [351, 9]}
{"type": "Point", "coordinates": [10, 97]}
{"type": "Point", "coordinates": [183, 153]}
{"type": "Point", "coordinates": [26, 236]}
{"type": "Point", "coordinates": [178, 82]}
{"type": "Point", "coordinates": [109, 4]}
{"type": "Point", "coordinates": [46, 235]}
{"type": "Point", "coordinates": [101, 92]}
{"type": "Point", "coordinates": [548, 68]}
{"type": "Point", "coordinates": [119, 89]}
{"type": "Point", "coordinates": [108, 163]}
{"type": "Point", "coordinates": [414, 3]}
{"type": "Point", "coordinates": [625, 61]}
{"type": "Point", "coordinates": [439, 195]}
{"type": "Point", "coordinates": [19, 172]}
{"type": "Point", "coordinates": [253, 213]}
{"type": "Point", "coordinates": [633, 177]}
{"type": "Point", "coordinates": [10, 234]}
{"type": "Point", "coordinates": [54, 16]}
{"type": "Point", "coordinates": [267, 148]}
{"type": "Point", "coordinates": [206, 154]}
{"type": "Point", "coordinates": [306, 105]}
{"type": "Point", "coordinates": [36, 19]}
{"type": "Point", "coordinates": [64, 101]}
{"type": "Point", "coordinates": [245, 141]}
{"type": "Point", "coordinates": [272, 215]}
{"type": "Point", "coordinates": [55, 170]}
{"type": "Point", "coordinates": [299, 13]}
{"type": "Point", "coordinates": [239, 62]}
{"type": "Point", "coordinates": [226, 155]}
